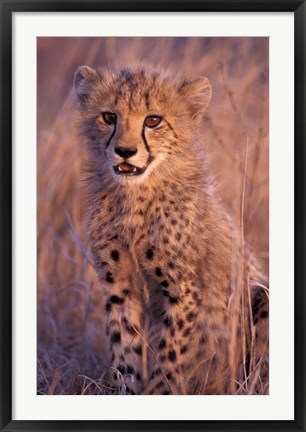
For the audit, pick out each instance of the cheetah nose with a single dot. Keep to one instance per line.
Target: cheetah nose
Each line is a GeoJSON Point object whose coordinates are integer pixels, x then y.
{"type": "Point", "coordinates": [125, 152]}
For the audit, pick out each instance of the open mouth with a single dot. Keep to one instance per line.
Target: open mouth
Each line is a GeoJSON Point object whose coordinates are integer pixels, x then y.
{"type": "Point", "coordinates": [127, 169]}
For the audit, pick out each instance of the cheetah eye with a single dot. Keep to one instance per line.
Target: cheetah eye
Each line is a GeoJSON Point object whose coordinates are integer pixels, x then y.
{"type": "Point", "coordinates": [152, 121]}
{"type": "Point", "coordinates": [109, 118]}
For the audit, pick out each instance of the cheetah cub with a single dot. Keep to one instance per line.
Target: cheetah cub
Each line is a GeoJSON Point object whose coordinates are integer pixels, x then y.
{"type": "Point", "coordinates": [162, 246]}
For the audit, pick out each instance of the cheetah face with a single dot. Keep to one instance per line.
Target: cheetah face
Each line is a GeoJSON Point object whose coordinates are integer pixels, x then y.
{"type": "Point", "coordinates": [139, 120]}
{"type": "Point", "coordinates": [134, 148]}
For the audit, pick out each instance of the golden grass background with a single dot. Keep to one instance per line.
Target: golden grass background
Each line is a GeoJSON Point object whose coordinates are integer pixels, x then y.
{"type": "Point", "coordinates": [71, 349]}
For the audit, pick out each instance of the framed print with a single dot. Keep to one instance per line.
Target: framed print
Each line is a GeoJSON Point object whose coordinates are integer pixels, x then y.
{"type": "Point", "coordinates": [152, 215]}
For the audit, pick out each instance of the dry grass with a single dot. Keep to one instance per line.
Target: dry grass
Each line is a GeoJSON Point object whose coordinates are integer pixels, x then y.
{"type": "Point", "coordinates": [72, 358]}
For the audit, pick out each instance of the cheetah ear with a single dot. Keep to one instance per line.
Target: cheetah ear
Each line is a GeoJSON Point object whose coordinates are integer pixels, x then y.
{"type": "Point", "coordinates": [84, 78]}
{"type": "Point", "coordinates": [197, 94]}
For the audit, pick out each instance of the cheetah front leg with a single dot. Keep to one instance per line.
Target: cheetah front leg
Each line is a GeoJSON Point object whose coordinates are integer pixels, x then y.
{"type": "Point", "coordinates": [123, 309]}
{"type": "Point", "coordinates": [179, 338]}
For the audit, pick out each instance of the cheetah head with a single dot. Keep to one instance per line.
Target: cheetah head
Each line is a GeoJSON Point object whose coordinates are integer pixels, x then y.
{"type": "Point", "coordinates": [139, 118]}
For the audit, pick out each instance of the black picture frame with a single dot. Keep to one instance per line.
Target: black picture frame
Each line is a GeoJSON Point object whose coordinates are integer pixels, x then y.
{"type": "Point", "coordinates": [7, 8]}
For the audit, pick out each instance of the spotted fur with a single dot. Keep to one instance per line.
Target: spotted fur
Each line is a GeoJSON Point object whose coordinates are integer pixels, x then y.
{"type": "Point", "coordinates": [162, 246]}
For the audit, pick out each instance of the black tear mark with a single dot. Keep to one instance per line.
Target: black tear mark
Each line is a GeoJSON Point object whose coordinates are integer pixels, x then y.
{"type": "Point", "coordinates": [143, 135]}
